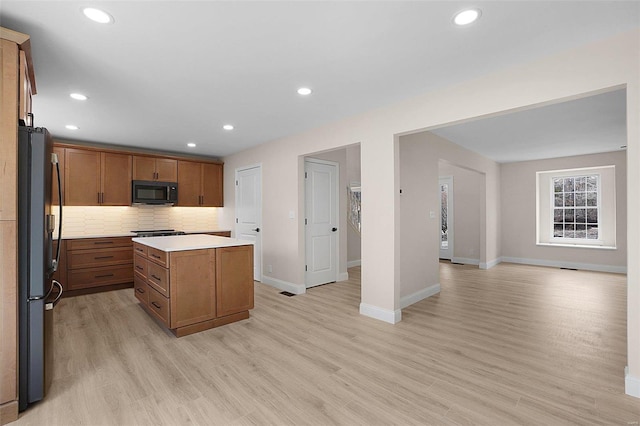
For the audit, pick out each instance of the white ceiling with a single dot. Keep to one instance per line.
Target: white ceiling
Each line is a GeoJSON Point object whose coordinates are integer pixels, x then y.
{"type": "Point", "coordinates": [167, 73]}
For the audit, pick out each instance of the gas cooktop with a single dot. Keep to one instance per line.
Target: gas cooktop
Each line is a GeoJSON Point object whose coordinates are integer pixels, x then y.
{"type": "Point", "coordinates": [157, 233]}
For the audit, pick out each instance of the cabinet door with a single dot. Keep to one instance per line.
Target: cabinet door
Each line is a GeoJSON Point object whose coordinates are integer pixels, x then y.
{"type": "Point", "coordinates": [54, 176]}
{"type": "Point", "coordinates": [189, 179]}
{"type": "Point", "coordinates": [193, 286]}
{"type": "Point", "coordinates": [234, 280]}
{"type": "Point", "coordinates": [212, 185]}
{"type": "Point", "coordinates": [144, 168]}
{"type": "Point", "coordinates": [25, 101]}
{"type": "Point", "coordinates": [81, 177]}
{"type": "Point", "coordinates": [115, 179]}
{"type": "Point", "coordinates": [166, 170]}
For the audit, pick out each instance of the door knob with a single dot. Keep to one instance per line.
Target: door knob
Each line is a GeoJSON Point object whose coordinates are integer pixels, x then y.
{"type": "Point", "coordinates": [257, 229]}
{"type": "Point", "coordinates": [334, 229]}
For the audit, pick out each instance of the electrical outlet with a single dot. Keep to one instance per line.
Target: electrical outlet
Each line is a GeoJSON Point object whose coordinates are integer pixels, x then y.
{"type": "Point", "coordinates": [269, 268]}
{"type": "Point", "coordinates": [432, 214]}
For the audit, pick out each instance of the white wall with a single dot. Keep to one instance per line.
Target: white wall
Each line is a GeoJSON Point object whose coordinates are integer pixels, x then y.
{"type": "Point", "coordinates": [466, 212]}
{"type": "Point", "coordinates": [589, 69]}
{"type": "Point", "coordinates": [519, 215]}
{"type": "Point", "coordinates": [353, 175]}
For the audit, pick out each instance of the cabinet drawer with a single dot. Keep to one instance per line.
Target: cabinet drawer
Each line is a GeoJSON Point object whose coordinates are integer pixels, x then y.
{"type": "Point", "coordinates": [140, 265]}
{"type": "Point", "coordinates": [141, 289]}
{"type": "Point", "coordinates": [95, 277]}
{"type": "Point", "coordinates": [96, 243]}
{"type": "Point", "coordinates": [159, 306]}
{"type": "Point", "coordinates": [98, 257]}
{"type": "Point", "coordinates": [140, 249]}
{"type": "Point", "coordinates": [158, 256]}
{"type": "Point", "coordinates": [158, 278]}
{"type": "Point", "coordinates": [221, 234]}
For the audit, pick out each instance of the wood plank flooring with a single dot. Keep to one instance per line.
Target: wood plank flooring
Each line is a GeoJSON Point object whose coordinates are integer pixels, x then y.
{"type": "Point", "coordinates": [511, 345]}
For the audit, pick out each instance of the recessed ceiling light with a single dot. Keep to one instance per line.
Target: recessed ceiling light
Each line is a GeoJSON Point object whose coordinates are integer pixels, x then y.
{"type": "Point", "coordinates": [191, 145]}
{"type": "Point", "coordinates": [78, 96]}
{"type": "Point", "coordinates": [304, 91]}
{"type": "Point", "coordinates": [97, 15]}
{"type": "Point", "coordinates": [71, 127]}
{"type": "Point", "coordinates": [228, 127]}
{"type": "Point", "coordinates": [466, 17]}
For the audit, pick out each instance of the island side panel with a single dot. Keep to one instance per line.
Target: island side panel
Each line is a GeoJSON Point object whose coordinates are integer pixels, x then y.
{"type": "Point", "coordinates": [192, 286]}
{"type": "Point", "coordinates": [234, 279]}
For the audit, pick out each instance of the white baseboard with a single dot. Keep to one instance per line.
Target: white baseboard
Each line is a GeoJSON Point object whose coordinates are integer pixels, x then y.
{"type": "Point", "coordinates": [284, 285]}
{"type": "Point", "coordinates": [631, 384]}
{"type": "Point", "coordinates": [572, 265]}
{"type": "Point", "coordinates": [419, 295]}
{"type": "Point", "coordinates": [352, 263]}
{"type": "Point", "coordinates": [465, 261]}
{"type": "Point", "coordinates": [392, 317]}
{"type": "Point", "coordinates": [342, 276]}
{"type": "Point", "coordinates": [491, 264]}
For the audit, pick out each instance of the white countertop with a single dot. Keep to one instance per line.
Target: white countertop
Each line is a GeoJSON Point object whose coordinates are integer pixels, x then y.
{"type": "Point", "coordinates": [66, 236]}
{"type": "Point", "coordinates": [190, 242]}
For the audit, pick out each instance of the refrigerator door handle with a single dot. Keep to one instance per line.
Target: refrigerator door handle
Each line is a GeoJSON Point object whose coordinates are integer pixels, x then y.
{"type": "Point", "coordinates": [57, 299]}
{"type": "Point", "coordinates": [56, 261]}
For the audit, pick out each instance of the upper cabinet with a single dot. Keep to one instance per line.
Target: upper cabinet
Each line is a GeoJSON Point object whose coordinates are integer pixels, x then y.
{"type": "Point", "coordinates": [26, 91]}
{"type": "Point", "coordinates": [153, 168]}
{"type": "Point", "coordinates": [96, 178]}
{"type": "Point", "coordinates": [199, 184]}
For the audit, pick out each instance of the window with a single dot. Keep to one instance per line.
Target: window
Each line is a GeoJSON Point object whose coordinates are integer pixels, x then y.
{"type": "Point", "coordinates": [577, 207]}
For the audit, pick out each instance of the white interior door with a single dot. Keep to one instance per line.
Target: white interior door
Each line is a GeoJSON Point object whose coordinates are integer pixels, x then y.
{"type": "Point", "coordinates": [446, 217]}
{"type": "Point", "coordinates": [249, 212]}
{"type": "Point", "coordinates": [321, 222]}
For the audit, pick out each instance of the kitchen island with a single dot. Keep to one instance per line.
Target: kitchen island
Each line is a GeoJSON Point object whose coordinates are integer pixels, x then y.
{"type": "Point", "coordinates": [192, 283]}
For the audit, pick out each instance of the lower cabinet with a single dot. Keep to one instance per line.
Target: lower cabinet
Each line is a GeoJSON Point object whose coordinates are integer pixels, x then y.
{"type": "Point", "coordinates": [198, 289]}
{"type": "Point", "coordinates": [97, 264]}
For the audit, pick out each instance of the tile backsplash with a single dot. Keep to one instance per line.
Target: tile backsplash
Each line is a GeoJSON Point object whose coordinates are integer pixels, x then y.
{"type": "Point", "coordinates": [78, 221]}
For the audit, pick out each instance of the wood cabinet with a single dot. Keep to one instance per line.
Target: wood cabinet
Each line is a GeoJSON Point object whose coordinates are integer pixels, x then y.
{"type": "Point", "coordinates": [199, 184]}
{"type": "Point", "coordinates": [97, 264]}
{"type": "Point", "coordinates": [17, 84]}
{"type": "Point", "coordinates": [193, 290]}
{"type": "Point", "coordinates": [155, 168]}
{"type": "Point", "coordinates": [95, 178]}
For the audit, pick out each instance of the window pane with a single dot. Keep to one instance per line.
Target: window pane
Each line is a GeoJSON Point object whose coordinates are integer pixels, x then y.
{"type": "Point", "coordinates": [558, 215]}
{"type": "Point", "coordinates": [568, 215]}
{"type": "Point", "coordinates": [592, 232]}
{"type": "Point", "coordinates": [581, 231]}
{"type": "Point", "coordinates": [592, 215]}
{"type": "Point", "coordinates": [557, 184]}
{"type": "Point", "coordinates": [569, 231]}
{"type": "Point", "coordinates": [568, 200]}
{"type": "Point", "coordinates": [580, 199]}
{"type": "Point", "coordinates": [558, 231]}
{"type": "Point", "coordinates": [581, 184]}
{"type": "Point", "coordinates": [592, 183]}
{"type": "Point", "coordinates": [592, 198]}
{"type": "Point", "coordinates": [581, 215]}
{"type": "Point", "coordinates": [558, 200]}
{"type": "Point", "coordinates": [568, 184]}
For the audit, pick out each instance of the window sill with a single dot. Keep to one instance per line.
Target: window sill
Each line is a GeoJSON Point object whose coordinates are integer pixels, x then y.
{"type": "Point", "coordinates": [587, 246]}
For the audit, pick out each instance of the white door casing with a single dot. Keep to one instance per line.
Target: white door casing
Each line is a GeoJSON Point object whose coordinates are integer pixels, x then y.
{"type": "Point", "coordinates": [321, 222]}
{"type": "Point", "coordinates": [446, 217]}
{"type": "Point", "coordinates": [249, 212]}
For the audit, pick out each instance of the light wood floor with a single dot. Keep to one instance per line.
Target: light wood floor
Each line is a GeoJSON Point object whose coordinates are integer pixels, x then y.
{"type": "Point", "coordinates": [511, 345]}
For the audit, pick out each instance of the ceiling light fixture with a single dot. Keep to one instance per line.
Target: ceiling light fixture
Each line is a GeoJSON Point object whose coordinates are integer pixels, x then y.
{"type": "Point", "coordinates": [97, 15]}
{"type": "Point", "coordinates": [78, 96]}
{"type": "Point", "coordinates": [466, 17]}
{"type": "Point", "coordinates": [71, 127]}
{"type": "Point", "coordinates": [304, 91]}
{"type": "Point", "coordinates": [191, 145]}
{"type": "Point", "coordinates": [227, 127]}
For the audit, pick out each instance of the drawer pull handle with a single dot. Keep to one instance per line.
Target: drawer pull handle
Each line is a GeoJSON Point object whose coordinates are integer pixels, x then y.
{"type": "Point", "coordinates": [139, 249]}
{"type": "Point", "coordinates": [103, 276]}
{"type": "Point", "coordinates": [155, 255]}
{"type": "Point", "coordinates": [103, 242]}
{"type": "Point", "coordinates": [139, 290]}
{"type": "Point", "coordinates": [140, 268]}
{"type": "Point", "coordinates": [103, 257]}
{"type": "Point", "coordinates": [156, 305]}
{"type": "Point", "coordinates": [157, 278]}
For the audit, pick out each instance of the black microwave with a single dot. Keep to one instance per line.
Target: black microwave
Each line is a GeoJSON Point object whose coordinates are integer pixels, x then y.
{"type": "Point", "coordinates": [152, 192]}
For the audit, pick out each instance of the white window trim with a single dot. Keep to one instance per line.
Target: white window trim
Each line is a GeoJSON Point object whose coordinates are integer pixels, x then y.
{"type": "Point", "coordinates": [606, 217]}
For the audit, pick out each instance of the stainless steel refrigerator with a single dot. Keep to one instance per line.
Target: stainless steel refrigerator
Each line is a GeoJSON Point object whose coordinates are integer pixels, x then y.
{"type": "Point", "coordinates": [37, 291]}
